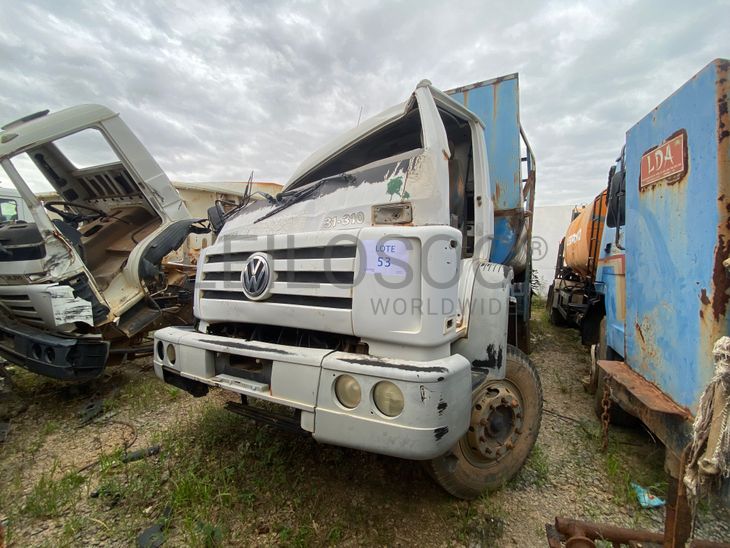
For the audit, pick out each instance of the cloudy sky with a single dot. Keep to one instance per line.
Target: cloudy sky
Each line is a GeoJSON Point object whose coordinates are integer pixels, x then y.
{"type": "Point", "coordinates": [220, 88]}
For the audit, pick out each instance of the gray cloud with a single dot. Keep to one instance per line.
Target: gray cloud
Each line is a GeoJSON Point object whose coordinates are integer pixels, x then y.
{"type": "Point", "coordinates": [216, 90]}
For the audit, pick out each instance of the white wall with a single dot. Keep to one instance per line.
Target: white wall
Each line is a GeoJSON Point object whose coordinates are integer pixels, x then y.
{"type": "Point", "coordinates": [549, 226]}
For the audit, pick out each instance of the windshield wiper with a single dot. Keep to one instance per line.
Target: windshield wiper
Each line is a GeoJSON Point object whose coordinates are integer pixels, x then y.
{"type": "Point", "coordinates": [289, 198]}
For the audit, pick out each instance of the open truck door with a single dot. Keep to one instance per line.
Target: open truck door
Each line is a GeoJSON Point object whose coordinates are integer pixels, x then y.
{"type": "Point", "coordinates": [86, 278]}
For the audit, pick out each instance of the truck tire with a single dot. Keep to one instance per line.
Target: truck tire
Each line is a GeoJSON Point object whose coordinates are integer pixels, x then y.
{"type": "Point", "coordinates": [554, 316]}
{"type": "Point", "coordinates": [597, 381]}
{"type": "Point", "coordinates": [505, 422]}
{"type": "Point", "coordinates": [599, 351]}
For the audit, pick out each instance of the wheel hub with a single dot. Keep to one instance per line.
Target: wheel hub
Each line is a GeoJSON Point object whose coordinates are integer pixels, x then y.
{"type": "Point", "coordinates": [496, 422]}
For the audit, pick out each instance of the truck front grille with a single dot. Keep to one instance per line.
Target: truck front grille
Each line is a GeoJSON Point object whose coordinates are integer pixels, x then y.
{"type": "Point", "coordinates": [21, 307]}
{"type": "Point", "coordinates": [315, 276]}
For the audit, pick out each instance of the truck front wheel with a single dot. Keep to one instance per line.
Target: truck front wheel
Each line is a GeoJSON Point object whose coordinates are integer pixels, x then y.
{"type": "Point", "coordinates": [504, 424]}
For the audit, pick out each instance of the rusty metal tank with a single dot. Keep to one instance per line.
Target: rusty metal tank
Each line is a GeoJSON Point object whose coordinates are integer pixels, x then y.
{"type": "Point", "coordinates": [583, 237]}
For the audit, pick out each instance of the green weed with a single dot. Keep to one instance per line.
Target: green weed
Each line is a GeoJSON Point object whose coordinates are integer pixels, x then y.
{"type": "Point", "coordinates": [50, 496]}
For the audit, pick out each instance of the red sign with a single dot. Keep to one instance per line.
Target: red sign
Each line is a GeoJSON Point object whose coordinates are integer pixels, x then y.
{"type": "Point", "coordinates": [667, 161]}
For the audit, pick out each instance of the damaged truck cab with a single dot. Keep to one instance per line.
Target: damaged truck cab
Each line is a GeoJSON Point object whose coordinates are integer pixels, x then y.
{"type": "Point", "coordinates": [362, 299]}
{"type": "Point", "coordinates": [83, 277]}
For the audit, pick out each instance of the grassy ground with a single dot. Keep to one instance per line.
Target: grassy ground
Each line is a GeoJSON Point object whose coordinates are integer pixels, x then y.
{"type": "Point", "coordinates": [220, 479]}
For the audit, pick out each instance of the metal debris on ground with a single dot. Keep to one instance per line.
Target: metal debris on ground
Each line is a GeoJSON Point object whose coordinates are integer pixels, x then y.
{"type": "Point", "coordinates": [95, 407]}
{"type": "Point", "coordinates": [154, 535]}
{"type": "Point", "coordinates": [139, 454]}
{"type": "Point", "coordinates": [90, 410]}
{"type": "Point", "coordinates": [677, 526]}
{"type": "Point", "coordinates": [583, 534]}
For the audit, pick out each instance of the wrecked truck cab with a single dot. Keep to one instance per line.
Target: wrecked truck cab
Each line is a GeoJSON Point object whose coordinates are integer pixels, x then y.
{"type": "Point", "coordinates": [85, 273]}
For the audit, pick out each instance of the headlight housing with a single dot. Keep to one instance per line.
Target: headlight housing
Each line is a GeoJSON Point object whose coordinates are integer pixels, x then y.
{"type": "Point", "coordinates": [348, 391]}
{"type": "Point", "coordinates": [171, 354]}
{"type": "Point", "coordinates": [388, 399]}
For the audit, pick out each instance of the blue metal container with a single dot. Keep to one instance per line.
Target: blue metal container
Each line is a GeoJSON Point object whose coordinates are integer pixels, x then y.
{"type": "Point", "coordinates": [512, 178]}
{"type": "Point", "coordinates": [664, 280]}
{"type": "Point", "coordinates": [496, 102]}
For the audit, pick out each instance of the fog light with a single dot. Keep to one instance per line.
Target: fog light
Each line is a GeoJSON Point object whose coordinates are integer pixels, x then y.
{"type": "Point", "coordinates": [388, 398]}
{"type": "Point", "coordinates": [347, 391]}
{"type": "Point", "coordinates": [160, 350]}
{"type": "Point", "coordinates": [171, 353]}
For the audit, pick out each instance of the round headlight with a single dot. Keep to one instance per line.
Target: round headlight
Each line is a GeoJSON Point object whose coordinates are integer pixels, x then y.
{"type": "Point", "coordinates": [388, 398]}
{"type": "Point", "coordinates": [347, 391]}
{"type": "Point", "coordinates": [171, 353]}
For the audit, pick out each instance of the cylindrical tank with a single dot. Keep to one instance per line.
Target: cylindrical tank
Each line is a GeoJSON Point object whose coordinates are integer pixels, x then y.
{"type": "Point", "coordinates": [583, 237]}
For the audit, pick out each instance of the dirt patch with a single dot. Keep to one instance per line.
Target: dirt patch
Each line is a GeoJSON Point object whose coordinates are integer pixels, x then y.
{"type": "Point", "coordinates": [221, 479]}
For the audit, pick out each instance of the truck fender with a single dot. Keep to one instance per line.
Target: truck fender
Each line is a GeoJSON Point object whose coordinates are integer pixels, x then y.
{"type": "Point", "coordinates": [486, 293]}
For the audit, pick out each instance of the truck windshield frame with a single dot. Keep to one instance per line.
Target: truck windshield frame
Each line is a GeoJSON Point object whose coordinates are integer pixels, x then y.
{"type": "Point", "coordinates": [402, 134]}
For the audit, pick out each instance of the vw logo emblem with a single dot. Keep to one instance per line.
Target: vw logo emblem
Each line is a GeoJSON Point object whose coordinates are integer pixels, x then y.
{"type": "Point", "coordinates": [256, 276]}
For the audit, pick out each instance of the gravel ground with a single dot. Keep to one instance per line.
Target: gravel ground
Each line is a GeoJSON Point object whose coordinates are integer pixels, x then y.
{"type": "Point", "coordinates": [288, 490]}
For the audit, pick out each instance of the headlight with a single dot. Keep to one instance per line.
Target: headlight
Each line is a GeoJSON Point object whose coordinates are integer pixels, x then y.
{"type": "Point", "coordinates": [171, 353]}
{"type": "Point", "coordinates": [347, 391]}
{"type": "Point", "coordinates": [388, 398]}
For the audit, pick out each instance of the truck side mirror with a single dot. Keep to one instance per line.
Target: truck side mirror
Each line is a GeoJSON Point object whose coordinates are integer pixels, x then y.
{"type": "Point", "coordinates": [616, 215]}
{"type": "Point", "coordinates": [216, 218]}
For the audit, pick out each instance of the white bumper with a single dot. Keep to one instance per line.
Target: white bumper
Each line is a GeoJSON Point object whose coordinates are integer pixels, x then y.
{"type": "Point", "coordinates": [437, 393]}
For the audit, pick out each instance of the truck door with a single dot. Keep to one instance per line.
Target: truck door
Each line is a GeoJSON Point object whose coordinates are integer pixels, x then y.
{"type": "Point", "coordinates": [611, 270]}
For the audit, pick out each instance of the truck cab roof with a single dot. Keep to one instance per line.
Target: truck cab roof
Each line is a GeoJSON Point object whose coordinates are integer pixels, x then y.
{"type": "Point", "coordinates": [18, 135]}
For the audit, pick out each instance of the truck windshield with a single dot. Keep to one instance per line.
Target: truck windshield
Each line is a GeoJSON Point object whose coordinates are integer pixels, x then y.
{"type": "Point", "coordinates": [8, 210]}
{"type": "Point", "coordinates": [84, 160]}
{"type": "Point", "coordinates": [403, 135]}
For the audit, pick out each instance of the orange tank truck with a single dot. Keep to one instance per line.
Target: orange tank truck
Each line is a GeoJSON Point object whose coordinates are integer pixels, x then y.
{"type": "Point", "coordinates": [572, 289]}
{"type": "Point", "coordinates": [586, 228]}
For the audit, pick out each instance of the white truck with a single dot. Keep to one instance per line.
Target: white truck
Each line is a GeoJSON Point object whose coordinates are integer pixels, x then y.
{"type": "Point", "coordinates": [362, 299]}
{"type": "Point", "coordinates": [81, 276]}
{"type": "Point", "coordinates": [12, 206]}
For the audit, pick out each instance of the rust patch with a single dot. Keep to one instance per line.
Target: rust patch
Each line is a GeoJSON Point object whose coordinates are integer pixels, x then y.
{"type": "Point", "coordinates": [723, 124]}
{"type": "Point", "coordinates": [720, 283]}
{"type": "Point", "coordinates": [704, 299]}
{"type": "Point", "coordinates": [720, 296]}
{"type": "Point", "coordinates": [644, 390]}
{"type": "Point", "coordinates": [641, 333]}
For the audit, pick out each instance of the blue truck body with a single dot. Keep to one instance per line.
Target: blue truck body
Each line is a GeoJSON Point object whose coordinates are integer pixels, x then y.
{"type": "Point", "coordinates": [666, 292]}
{"type": "Point", "coordinates": [512, 174]}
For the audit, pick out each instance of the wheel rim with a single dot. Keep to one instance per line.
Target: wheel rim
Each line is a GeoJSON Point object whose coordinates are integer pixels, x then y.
{"type": "Point", "coordinates": [497, 416]}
